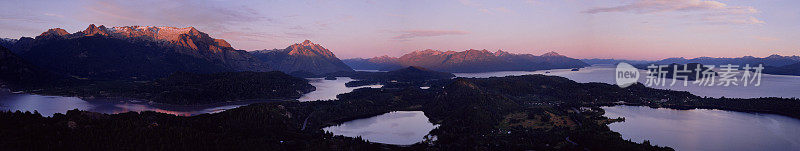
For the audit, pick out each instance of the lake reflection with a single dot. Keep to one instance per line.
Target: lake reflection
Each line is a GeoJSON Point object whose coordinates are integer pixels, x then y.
{"type": "Point", "coordinates": [328, 89]}
{"type": "Point", "coordinates": [703, 129]}
{"type": "Point", "coordinates": [399, 128]}
{"type": "Point", "coordinates": [49, 105]}
{"type": "Point", "coordinates": [45, 105]}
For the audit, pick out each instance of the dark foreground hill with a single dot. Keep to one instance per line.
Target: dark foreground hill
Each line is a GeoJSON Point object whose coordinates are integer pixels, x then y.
{"type": "Point", "coordinates": [188, 88]}
{"type": "Point", "coordinates": [183, 88]}
{"type": "Point", "coordinates": [16, 72]}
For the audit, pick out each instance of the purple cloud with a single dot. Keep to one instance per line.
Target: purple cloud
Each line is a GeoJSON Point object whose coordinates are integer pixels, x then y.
{"type": "Point", "coordinates": [711, 11]}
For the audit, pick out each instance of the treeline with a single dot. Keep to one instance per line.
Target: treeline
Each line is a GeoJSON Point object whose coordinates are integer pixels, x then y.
{"type": "Point", "coordinates": [189, 88]}
{"type": "Point", "coordinates": [268, 128]}
{"type": "Point", "coordinates": [183, 88]}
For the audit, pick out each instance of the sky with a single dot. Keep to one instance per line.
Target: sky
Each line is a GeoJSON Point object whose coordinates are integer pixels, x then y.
{"type": "Point", "coordinates": [620, 29]}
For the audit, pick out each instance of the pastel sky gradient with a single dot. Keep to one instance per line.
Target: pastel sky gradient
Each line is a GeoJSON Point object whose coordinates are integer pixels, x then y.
{"type": "Point", "coordinates": [622, 29]}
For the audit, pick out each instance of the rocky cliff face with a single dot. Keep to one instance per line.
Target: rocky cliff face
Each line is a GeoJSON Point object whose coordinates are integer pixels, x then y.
{"type": "Point", "coordinates": [305, 57]}
{"type": "Point", "coordinates": [133, 52]}
{"type": "Point", "coordinates": [470, 61]}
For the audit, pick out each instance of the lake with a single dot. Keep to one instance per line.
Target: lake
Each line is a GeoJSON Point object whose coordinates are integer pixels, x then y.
{"type": "Point", "coordinates": [703, 129]}
{"type": "Point", "coordinates": [683, 130]}
{"type": "Point", "coordinates": [771, 85]}
{"type": "Point", "coordinates": [328, 89]}
{"type": "Point", "coordinates": [49, 105]}
{"type": "Point", "coordinates": [398, 128]}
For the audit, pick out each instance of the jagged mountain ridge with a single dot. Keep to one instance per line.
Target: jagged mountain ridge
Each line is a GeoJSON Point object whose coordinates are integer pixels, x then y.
{"type": "Point", "coordinates": [7, 42]}
{"type": "Point", "coordinates": [138, 52]}
{"type": "Point", "coordinates": [306, 57]}
{"type": "Point", "coordinates": [468, 61]}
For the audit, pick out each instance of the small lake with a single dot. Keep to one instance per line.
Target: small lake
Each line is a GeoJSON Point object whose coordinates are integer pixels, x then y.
{"type": "Point", "coordinates": [771, 85]}
{"type": "Point", "coordinates": [398, 128]}
{"type": "Point", "coordinates": [708, 130]}
{"type": "Point", "coordinates": [328, 89]}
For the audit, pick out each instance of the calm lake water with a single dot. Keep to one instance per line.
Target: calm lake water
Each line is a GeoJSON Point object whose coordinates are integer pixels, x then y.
{"type": "Point", "coordinates": [771, 85]}
{"type": "Point", "coordinates": [328, 89]}
{"type": "Point", "coordinates": [708, 130]}
{"type": "Point", "coordinates": [49, 105]}
{"type": "Point", "coordinates": [398, 127]}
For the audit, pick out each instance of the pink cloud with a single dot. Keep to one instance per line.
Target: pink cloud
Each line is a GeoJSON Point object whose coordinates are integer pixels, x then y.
{"type": "Point", "coordinates": [710, 11]}
{"type": "Point", "coordinates": [171, 13]}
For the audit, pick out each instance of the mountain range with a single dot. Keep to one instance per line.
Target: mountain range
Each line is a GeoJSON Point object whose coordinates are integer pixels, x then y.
{"type": "Point", "coordinates": [132, 52]}
{"type": "Point", "coordinates": [773, 64]}
{"type": "Point", "coordinates": [468, 61]}
{"type": "Point", "coordinates": [305, 57]}
{"type": "Point", "coordinates": [148, 52]}
{"type": "Point", "coordinates": [772, 60]}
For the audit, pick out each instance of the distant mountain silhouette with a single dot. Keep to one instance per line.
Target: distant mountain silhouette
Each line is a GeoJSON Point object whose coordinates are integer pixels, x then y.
{"type": "Point", "coordinates": [773, 60]}
{"type": "Point", "coordinates": [469, 61]}
{"type": "Point", "coordinates": [133, 52]}
{"type": "Point", "coordinates": [792, 69]}
{"type": "Point", "coordinates": [614, 61]}
{"type": "Point", "coordinates": [383, 63]}
{"type": "Point", "coordinates": [773, 64]}
{"type": "Point", "coordinates": [305, 57]}
{"type": "Point", "coordinates": [695, 70]}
